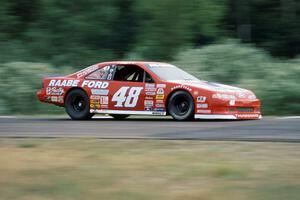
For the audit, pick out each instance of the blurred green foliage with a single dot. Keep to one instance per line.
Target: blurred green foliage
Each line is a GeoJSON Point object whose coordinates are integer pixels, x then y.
{"type": "Point", "coordinates": [85, 32]}
{"type": "Point", "coordinates": [41, 37]}
{"type": "Point", "coordinates": [19, 83]}
{"type": "Point", "coordinates": [276, 82]}
{"type": "Point", "coordinates": [230, 63]}
{"type": "Point", "coordinates": [271, 24]}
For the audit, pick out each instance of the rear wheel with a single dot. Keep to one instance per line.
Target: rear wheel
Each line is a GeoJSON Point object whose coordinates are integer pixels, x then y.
{"type": "Point", "coordinates": [116, 116]}
{"type": "Point", "coordinates": [77, 105]}
{"type": "Point", "coordinates": [181, 106]}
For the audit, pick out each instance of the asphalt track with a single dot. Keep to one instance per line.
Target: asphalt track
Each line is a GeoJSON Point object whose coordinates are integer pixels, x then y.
{"type": "Point", "coordinates": [274, 129]}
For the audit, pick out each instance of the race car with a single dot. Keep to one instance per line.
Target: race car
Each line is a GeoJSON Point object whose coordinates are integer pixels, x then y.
{"type": "Point", "coordinates": [128, 88]}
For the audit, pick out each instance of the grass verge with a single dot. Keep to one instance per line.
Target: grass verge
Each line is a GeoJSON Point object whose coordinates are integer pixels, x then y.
{"type": "Point", "coordinates": [147, 169]}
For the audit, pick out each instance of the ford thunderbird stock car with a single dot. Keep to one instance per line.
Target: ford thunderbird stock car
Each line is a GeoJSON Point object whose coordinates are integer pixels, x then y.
{"type": "Point", "coordinates": [127, 88]}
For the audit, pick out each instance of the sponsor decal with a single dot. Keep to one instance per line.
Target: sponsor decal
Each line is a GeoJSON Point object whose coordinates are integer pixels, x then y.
{"type": "Point", "coordinates": [60, 99]}
{"type": "Point", "coordinates": [223, 96]}
{"type": "Point", "coordinates": [159, 105]}
{"type": "Point", "coordinates": [54, 91]}
{"type": "Point", "coordinates": [54, 99]}
{"type": "Point", "coordinates": [104, 100]}
{"type": "Point", "coordinates": [95, 103]}
{"type": "Point", "coordinates": [149, 98]}
{"type": "Point", "coordinates": [158, 113]}
{"type": "Point", "coordinates": [94, 97]}
{"type": "Point", "coordinates": [87, 71]}
{"type": "Point", "coordinates": [160, 96]}
{"type": "Point", "coordinates": [161, 85]}
{"type": "Point", "coordinates": [204, 111]}
{"type": "Point", "coordinates": [160, 91]}
{"type": "Point", "coordinates": [148, 103]}
{"type": "Point", "coordinates": [104, 106]}
{"type": "Point", "coordinates": [202, 105]}
{"type": "Point", "coordinates": [159, 101]}
{"type": "Point", "coordinates": [95, 84]}
{"type": "Point", "coordinates": [99, 91]}
{"type": "Point", "coordinates": [247, 115]}
{"type": "Point", "coordinates": [148, 108]}
{"type": "Point", "coordinates": [150, 85]}
{"type": "Point", "coordinates": [150, 93]}
{"type": "Point", "coordinates": [98, 102]}
{"type": "Point", "coordinates": [241, 95]}
{"type": "Point", "coordinates": [201, 99]}
{"type": "Point", "coordinates": [150, 90]}
{"type": "Point", "coordinates": [63, 83]}
{"type": "Point", "coordinates": [217, 96]}
{"type": "Point", "coordinates": [232, 102]}
{"type": "Point", "coordinates": [182, 87]}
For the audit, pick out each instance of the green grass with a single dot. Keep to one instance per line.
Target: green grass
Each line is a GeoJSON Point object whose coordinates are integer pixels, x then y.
{"type": "Point", "coordinates": [147, 169]}
{"type": "Point", "coordinates": [26, 145]}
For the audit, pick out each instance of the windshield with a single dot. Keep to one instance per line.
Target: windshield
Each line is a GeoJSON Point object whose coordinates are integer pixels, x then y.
{"type": "Point", "coordinates": [169, 72]}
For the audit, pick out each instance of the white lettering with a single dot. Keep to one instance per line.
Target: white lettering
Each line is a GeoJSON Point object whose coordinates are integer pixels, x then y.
{"type": "Point", "coordinates": [91, 84]}
{"type": "Point", "coordinates": [52, 83]}
{"type": "Point", "coordinates": [69, 83]}
{"type": "Point", "coordinates": [62, 83]}
{"type": "Point", "coordinates": [105, 85]}
{"type": "Point", "coordinates": [58, 83]}
{"type": "Point", "coordinates": [98, 84]}
{"type": "Point", "coordinates": [95, 84]}
{"type": "Point", "coordinates": [129, 100]}
{"type": "Point", "coordinates": [75, 83]}
{"type": "Point", "coordinates": [84, 83]}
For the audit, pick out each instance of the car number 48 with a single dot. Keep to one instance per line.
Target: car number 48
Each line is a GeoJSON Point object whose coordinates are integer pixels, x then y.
{"type": "Point", "coordinates": [127, 100]}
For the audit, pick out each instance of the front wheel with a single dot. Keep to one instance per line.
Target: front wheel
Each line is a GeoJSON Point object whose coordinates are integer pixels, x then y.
{"type": "Point", "coordinates": [181, 106]}
{"type": "Point", "coordinates": [77, 105]}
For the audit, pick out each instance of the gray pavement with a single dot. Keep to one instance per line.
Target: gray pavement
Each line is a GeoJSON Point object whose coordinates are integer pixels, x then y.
{"type": "Point", "coordinates": [273, 129]}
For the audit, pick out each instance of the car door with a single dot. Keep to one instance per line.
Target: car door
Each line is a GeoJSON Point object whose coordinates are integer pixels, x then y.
{"type": "Point", "coordinates": [126, 89]}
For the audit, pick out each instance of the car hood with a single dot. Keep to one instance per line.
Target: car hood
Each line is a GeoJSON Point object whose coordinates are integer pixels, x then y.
{"type": "Point", "coordinates": [218, 88]}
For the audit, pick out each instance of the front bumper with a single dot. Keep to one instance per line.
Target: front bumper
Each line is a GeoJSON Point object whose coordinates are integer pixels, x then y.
{"type": "Point", "coordinates": [230, 109]}
{"type": "Point", "coordinates": [228, 116]}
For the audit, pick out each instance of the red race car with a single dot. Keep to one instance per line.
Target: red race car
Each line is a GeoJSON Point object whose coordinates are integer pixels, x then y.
{"type": "Point", "coordinates": [128, 88]}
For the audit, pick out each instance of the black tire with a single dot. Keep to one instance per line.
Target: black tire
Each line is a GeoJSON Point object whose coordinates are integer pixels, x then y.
{"type": "Point", "coordinates": [77, 105]}
{"type": "Point", "coordinates": [118, 116]}
{"type": "Point", "coordinates": [181, 106]}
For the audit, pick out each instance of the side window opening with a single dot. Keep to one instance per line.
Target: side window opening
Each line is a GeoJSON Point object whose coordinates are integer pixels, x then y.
{"type": "Point", "coordinates": [148, 78]}
{"type": "Point", "coordinates": [99, 74]}
{"type": "Point", "coordinates": [129, 73]}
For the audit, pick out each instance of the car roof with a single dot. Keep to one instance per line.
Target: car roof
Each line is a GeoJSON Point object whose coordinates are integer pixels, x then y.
{"type": "Point", "coordinates": [131, 62]}
{"type": "Point", "coordinates": [101, 64]}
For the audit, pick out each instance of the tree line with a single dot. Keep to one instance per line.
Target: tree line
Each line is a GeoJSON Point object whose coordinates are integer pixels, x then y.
{"type": "Point", "coordinates": [254, 44]}
{"type": "Point", "coordinates": [82, 32]}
